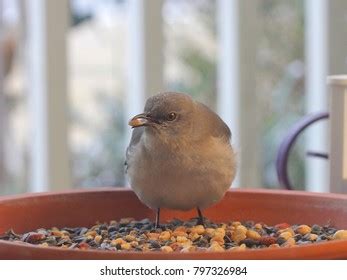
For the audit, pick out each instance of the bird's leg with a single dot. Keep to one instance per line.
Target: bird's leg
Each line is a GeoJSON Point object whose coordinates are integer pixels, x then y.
{"type": "Point", "coordinates": [201, 217]}
{"type": "Point", "coordinates": [157, 218]}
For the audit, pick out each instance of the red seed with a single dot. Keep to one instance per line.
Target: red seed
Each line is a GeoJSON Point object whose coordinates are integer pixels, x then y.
{"type": "Point", "coordinates": [34, 237]}
{"type": "Point", "coordinates": [267, 240]}
{"type": "Point", "coordinates": [83, 246]}
{"type": "Point", "coordinates": [175, 246]}
{"type": "Point", "coordinates": [282, 226]}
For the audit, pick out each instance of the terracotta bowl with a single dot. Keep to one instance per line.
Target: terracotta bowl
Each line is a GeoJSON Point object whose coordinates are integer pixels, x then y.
{"type": "Point", "coordinates": [85, 207]}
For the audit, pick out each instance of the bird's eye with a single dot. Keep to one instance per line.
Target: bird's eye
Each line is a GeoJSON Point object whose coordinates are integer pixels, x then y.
{"type": "Point", "coordinates": [171, 116]}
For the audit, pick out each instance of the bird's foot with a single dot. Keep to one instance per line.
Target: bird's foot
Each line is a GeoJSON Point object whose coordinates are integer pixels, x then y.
{"type": "Point", "coordinates": [201, 217]}
{"type": "Point", "coordinates": [157, 219]}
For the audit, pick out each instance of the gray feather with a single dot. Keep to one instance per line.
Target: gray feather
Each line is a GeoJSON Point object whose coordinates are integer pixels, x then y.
{"type": "Point", "coordinates": [135, 138]}
{"type": "Point", "coordinates": [215, 124]}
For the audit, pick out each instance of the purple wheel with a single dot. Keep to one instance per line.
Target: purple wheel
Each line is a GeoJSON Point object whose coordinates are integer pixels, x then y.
{"type": "Point", "coordinates": [287, 144]}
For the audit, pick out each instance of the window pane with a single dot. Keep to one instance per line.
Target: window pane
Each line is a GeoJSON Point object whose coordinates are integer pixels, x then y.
{"type": "Point", "coordinates": [96, 75]}
{"type": "Point", "coordinates": [13, 100]}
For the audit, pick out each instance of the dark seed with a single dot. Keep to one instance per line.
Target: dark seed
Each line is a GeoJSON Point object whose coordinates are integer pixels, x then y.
{"type": "Point", "coordinates": [248, 224]}
{"type": "Point", "coordinates": [123, 229]}
{"type": "Point", "coordinates": [250, 242]}
{"type": "Point", "coordinates": [227, 239]}
{"type": "Point", "coordinates": [316, 229]}
{"type": "Point", "coordinates": [148, 227]}
{"type": "Point", "coordinates": [92, 243]}
{"type": "Point", "coordinates": [281, 241]}
{"type": "Point", "coordinates": [83, 230]}
{"type": "Point", "coordinates": [71, 230]}
{"type": "Point", "coordinates": [297, 237]}
{"type": "Point", "coordinates": [103, 227]}
{"type": "Point", "coordinates": [323, 237]}
{"type": "Point", "coordinates": [154, 244]}
{"type": "Point", "coordinates": [63, 241]}
{"type": "Point", "coordinates": [202, 242]}
{"type": "Point", "coordinates": [269, 230]}
{"type": "Point", "coordinates": [113, 228]}
{"type": "Point", "coordinates": [79, 239]}
{"type": "Point", "coordinates": [331, 231]}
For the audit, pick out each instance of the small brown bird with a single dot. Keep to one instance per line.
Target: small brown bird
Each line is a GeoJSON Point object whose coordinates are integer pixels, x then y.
{"type": "Point", "coordinates": [180, 155]}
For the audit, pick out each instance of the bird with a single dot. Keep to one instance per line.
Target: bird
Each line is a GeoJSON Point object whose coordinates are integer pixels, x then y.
{"type": "Point", "coordinates": [180, 155]}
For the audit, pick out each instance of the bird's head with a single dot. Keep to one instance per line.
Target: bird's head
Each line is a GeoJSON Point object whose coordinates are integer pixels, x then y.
{"type": "Point", "coordinates": [168, 114]}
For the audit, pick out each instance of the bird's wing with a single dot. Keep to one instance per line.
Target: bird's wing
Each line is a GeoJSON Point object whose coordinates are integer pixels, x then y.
{"type": "Point", "coordinates": [215, 124]}
{"type": "Point", "coordinates": [135, 138]}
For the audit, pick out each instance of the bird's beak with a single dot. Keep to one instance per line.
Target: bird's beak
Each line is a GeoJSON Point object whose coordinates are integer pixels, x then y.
{"type": "Point", "coordinates": [139, 120]}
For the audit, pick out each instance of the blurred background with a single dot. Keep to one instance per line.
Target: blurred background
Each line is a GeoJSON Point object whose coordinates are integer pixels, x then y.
{"type": "Point", "coordinates": [73, 72]}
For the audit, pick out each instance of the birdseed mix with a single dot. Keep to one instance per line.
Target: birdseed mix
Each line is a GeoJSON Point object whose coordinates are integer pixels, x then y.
{"type": "Point", "coordinates": [177, 236]}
